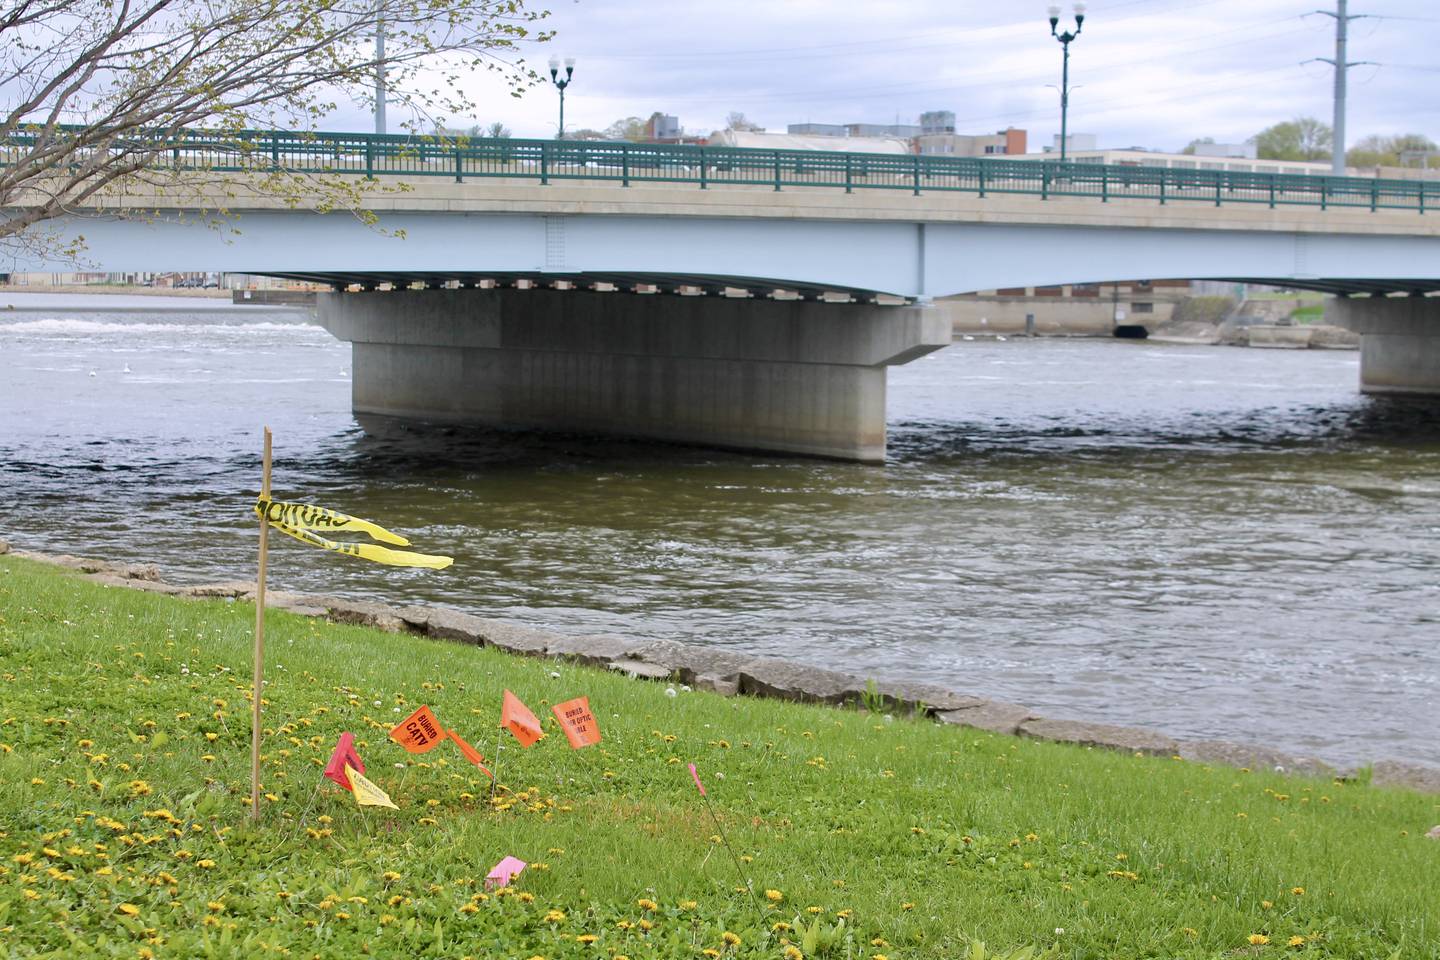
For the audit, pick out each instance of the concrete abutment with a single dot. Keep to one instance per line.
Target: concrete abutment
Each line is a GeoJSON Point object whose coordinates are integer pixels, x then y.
{"type": "Point", "coordinates": [780, 376]}
{"type": "Point", "coordinates": [1399, 341]}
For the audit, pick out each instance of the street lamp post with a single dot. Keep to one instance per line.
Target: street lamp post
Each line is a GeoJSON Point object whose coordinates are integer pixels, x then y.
{"type": "Point", "coordinates": [561, 84]}
{"type": "Point", "coordinates": [1065, 39]}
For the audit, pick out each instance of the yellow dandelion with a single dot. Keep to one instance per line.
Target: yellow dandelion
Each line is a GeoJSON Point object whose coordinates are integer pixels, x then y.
{"type": "Point", "coordinates": [1298, 891]}
{"type": "Point", "coordinates": [647, 904]}
{"type": "Point", "coordinates": [710, 952]}
{"type": "Point", "coordinates": [554, 916]}
{"type": "Point", "coordinates": [129, 909]}
{"type": "Point", "coordinates": [1295, 942]}
{"type": "Point", "coordinates": [774, 896]}
{"type": "Point", "coordinates": [907, 906]}
{"type": "Point", "coordinates": [205, 864]}
{"type": "Point", "coordinates": [731, 940]}
{"type": "Point", "coordinates": [1257, 939]}
{"type": "Point", "coordinates": [792, 952]}
{"type": "Point", "coordinates": [586, 938]}
{"type": "Point", "coordinates": [525, 896]}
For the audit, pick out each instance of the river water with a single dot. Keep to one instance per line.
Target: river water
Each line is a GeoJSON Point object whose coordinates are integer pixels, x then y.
{"type": "Point", "coordinates": [1209, 541]}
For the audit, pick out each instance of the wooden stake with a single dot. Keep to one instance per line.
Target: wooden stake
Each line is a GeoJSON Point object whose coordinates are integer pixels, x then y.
{"type": "Point", "coordinates": [259, 642]}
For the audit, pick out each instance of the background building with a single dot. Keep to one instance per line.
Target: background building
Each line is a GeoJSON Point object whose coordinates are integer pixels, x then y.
{"type": "Point", "coordinates": [934, 123]}
{"type": "Point", "coordinates": [1008, 142]}
{"type": "Point", "coordinates": [1239, 151]}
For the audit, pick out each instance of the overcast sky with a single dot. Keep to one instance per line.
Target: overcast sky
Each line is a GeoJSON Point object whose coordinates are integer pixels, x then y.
{"type": "Point", "coordinates": [1151, 73]}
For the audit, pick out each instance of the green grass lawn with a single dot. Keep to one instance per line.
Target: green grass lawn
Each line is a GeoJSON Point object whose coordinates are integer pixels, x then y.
{"type": "Point", "coordinates": [124, 779]}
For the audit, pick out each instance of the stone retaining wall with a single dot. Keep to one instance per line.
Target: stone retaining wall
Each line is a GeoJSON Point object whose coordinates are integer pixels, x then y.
{"type": "Point", "coordinates": [731, 673]}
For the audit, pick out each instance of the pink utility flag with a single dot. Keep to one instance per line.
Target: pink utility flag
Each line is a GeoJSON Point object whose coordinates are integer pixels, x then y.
{"type": "Point", "coordinates": [503, 872]}
{"type": "Point", "coordinates": [344, 753]}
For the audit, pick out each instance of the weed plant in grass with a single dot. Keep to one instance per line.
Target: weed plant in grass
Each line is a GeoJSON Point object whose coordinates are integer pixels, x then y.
{"type": "Point", "coordinates": [123, 822]}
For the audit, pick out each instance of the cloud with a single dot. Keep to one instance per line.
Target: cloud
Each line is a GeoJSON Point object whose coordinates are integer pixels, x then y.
{"type": "Point", "coordinates": [1155, 73]}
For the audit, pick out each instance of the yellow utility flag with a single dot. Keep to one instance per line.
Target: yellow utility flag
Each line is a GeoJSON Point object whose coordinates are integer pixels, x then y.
{"type": "Point", "coordinates": [366, 793]}
{"type": "Point", "coordinates": [307, 519]}
{"type": "Point", "coordinates": [304, 516]}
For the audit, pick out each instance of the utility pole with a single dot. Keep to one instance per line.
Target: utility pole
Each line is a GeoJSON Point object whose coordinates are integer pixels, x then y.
{"type": "Point", "coordinates": [380, 74]}
{"type": "Point", "coordinates": [1342, 30]}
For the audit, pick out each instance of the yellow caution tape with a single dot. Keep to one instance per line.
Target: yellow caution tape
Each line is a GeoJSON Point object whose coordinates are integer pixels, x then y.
{"type": "Point", "coordinates": [304, 516]}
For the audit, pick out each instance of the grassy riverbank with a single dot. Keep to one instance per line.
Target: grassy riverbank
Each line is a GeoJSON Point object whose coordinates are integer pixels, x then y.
{"type": "Point", "coordinates": [124, 757]}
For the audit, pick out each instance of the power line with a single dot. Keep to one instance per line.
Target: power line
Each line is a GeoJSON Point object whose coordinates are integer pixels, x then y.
{"type": "Point", "coordinates": [872, 91]}
{"type": "Point", "coordinates": [827, 49]}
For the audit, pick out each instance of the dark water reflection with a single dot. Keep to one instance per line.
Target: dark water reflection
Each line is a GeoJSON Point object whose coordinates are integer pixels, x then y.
{"type": "Point", "coordinates": [1211, 541]}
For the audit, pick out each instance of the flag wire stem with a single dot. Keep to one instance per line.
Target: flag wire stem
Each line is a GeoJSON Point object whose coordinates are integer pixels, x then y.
{"type": "Point", "coordinates": [749, 888]}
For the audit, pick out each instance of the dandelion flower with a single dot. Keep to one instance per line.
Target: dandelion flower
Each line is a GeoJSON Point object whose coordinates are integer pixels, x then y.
{"type": "Point", "coordinates": [644, 903]}
{"type": "Point", "coordinates": [129, 909]}
{"type": "Point", "coordinates": [774, 896]}
{"type": "Point", "coordinates": [731, 940]}
{"type": "Point", "coordinates": [1257, 939]}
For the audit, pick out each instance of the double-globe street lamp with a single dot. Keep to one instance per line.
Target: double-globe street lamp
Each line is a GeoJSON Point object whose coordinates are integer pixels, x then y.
{"type": "Point", "coordinates": [561, 84]}
{"type": "Point", "coordinates": [1064, 39]}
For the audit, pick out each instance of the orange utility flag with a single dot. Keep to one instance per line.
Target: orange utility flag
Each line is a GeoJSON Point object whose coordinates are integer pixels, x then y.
{"type": "Point", "coordinates": [420, 732]}
{"type": "Point", "coordinates": [517, 718]}
{"type": "Point", "coordinates": [577, 721]}
{"type": "Point", "coordinates": [471, 753]}
{"type": "Point", "coordinates": [366, 793]}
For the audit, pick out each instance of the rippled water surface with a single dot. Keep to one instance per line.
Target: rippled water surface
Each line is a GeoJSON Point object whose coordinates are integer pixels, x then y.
{"type": "Point", "coordinates": [1210, 541]}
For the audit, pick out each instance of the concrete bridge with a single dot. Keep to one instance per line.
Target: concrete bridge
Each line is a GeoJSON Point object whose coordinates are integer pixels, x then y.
{"type": "Point", "coordinates": [787, 282]}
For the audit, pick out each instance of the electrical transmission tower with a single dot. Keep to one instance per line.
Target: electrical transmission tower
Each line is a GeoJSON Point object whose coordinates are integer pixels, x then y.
{"type": "Point", "coordinates": [1342, 30]}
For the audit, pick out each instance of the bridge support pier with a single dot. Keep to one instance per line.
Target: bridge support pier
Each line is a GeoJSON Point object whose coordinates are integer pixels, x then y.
{"type": "Point", "coordinates": [1399, 341]}
{"type": "Point", "coordinates": [788, 377]}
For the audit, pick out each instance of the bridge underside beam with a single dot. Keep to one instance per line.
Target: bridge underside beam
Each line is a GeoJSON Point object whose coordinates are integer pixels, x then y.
{"type": "Point", "coordinates": [1399, 341]}
{"type": "Point", "coordinates": [666, 281]}
{"type": "Point", "coordinates": [782, 376]}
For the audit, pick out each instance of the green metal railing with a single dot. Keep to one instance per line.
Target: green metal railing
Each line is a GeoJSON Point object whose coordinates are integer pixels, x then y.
{"type": "Point", "coordinates": [550, 161]}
